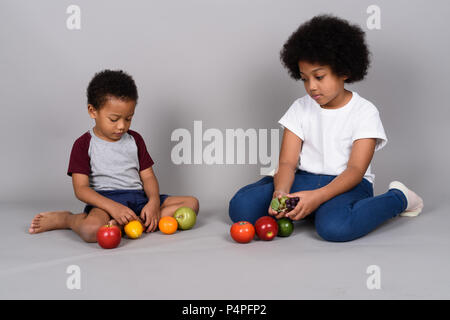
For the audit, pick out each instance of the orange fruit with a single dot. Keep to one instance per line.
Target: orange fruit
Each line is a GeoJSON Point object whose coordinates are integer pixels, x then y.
{"type": "Point", "coordinates": [134, 229]}
{"type": "Point", "coordinates": [168, 225]}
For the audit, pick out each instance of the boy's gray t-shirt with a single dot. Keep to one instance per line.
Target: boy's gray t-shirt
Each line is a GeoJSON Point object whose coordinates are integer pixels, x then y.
{"type": "Point", "coordinates": [110, 165]}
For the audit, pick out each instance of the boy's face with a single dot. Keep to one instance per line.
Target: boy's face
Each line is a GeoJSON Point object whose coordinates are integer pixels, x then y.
{"type": "Point", "coordinates": [326, 88]}
{"type": "Point", "coordinates": [113, 118]}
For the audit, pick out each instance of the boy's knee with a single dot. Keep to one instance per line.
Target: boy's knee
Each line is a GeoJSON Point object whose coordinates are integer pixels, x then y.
{"type": "Point", "coordinates": [190, 202]}
{"type": "Point", "coordinates": [194, 204]}
{"type": "Point", "coordinates": [88, 232]}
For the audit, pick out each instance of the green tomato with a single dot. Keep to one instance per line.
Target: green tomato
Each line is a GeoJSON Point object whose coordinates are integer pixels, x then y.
{"type": "Point", "coordinates": [285, 227]}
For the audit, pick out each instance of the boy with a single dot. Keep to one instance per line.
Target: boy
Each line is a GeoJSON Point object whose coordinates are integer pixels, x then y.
{"type": "Point", "coordinates": [110, 167]}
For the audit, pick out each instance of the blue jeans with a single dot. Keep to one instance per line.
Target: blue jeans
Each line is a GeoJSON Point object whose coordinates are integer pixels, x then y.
{"type": "Point", "coordinates": [346, 217]}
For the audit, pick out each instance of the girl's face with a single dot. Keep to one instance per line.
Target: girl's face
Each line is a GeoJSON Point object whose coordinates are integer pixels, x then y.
{"type": "Point", "coordinates": [326, 88]}
{"type": "Point", "coordinates": [113, 119]}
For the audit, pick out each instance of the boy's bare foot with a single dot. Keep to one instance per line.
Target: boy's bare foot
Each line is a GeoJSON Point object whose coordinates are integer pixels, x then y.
{"type": "Point", "coordinates": [46, 221]}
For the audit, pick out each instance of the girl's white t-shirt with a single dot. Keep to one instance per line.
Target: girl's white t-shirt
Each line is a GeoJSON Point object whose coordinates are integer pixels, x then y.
{"type": "Point", "coordinates": [328, 134]}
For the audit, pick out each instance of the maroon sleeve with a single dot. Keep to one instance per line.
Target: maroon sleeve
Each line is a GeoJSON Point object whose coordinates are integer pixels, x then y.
{"type": "Point", "coordinates": [145, 161]}
{"type": "Point", "coordinates": [79, 157]}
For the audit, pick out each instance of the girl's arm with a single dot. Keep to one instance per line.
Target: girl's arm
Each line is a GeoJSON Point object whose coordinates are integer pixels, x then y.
{"type": "Point", "coordinates": [288, 161]}
{"type": "Point", "coordinates": [287, 165]}
{"type": "Point", "coordinates": [360, 158]}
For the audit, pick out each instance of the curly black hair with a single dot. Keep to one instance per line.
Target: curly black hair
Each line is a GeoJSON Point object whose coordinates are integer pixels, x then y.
{"type": "Point", "coordinates": [109, 83]}
{"type": "Point", "coordinates": [328, 40]}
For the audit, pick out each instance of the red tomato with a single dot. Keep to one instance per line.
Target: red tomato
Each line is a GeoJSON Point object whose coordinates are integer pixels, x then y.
{"type": "Point", "coordinates": [266, 228]}
{"type": "Point", "coordinates": [109, 236]}
{"type": "Point", "coordinates": [242, 231]}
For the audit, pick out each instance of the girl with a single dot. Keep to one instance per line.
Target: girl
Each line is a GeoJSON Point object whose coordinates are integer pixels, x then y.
{"type": "Point", "coordinates": [330, 136]}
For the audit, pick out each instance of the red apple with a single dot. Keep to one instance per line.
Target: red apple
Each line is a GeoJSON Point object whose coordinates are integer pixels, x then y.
{"type": "Point", "coordinates": [109, 236]}
{"type": "Point", "coordinates": [266, 228]}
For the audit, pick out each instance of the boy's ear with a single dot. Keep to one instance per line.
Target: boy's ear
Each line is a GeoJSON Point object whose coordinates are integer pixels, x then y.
{"type": "Point", "coordinates": [92, 111]}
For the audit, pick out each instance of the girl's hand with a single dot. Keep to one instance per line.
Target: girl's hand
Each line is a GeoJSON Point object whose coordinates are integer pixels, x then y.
{"type": "Point", "coordinates": [309, 202]}
{"type": "Point", "coordinates": [277, 194]}
{"type": "Point", "coordinates": [151, 214]}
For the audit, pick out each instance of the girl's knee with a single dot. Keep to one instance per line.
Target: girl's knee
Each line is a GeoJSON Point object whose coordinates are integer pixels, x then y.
{"type": "Point", "coordinates": [252, 201]}
{"type": "Point", "coordinates": [335, 232]}
{"type": "Point", "coordinates": [235, 208]}
{"type": "Point", "coordinates": [243, 209]}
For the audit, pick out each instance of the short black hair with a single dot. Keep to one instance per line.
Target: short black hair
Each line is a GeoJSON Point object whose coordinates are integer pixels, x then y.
{"type": "Point", "coordinates": [108, 83]}
{"type": "Point", "coordinates": [328, 40]}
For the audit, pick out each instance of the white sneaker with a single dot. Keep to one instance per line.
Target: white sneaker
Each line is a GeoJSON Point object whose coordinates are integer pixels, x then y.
{"type": "Point", "coordinates": [414, 202]}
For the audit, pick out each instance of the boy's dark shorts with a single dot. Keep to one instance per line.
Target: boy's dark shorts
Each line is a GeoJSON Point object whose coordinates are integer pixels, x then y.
{"type": "Point", "coordinates": [133, 199]}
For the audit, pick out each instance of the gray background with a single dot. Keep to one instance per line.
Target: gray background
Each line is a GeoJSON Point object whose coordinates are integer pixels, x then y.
{"type": "Point", "coordinates": [218, 62]}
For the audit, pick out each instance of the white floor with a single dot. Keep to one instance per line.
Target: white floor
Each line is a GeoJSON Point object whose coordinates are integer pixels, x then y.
{"type": "Point", "coordinates": [412, 254]}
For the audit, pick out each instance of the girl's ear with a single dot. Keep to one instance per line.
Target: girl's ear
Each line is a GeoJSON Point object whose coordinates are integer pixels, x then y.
{"type": "Point", "coordinates": [93, 113]}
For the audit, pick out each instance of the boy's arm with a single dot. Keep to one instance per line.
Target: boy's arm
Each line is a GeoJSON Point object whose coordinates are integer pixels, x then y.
{"type": "Point", "coordinates": [86, 194]}
{"type": "Point", "coordinates": [151, 186]}
{"type": "Point", "coordinates": [151, 212]}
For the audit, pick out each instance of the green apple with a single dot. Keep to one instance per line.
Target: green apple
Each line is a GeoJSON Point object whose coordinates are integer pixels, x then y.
{"type": "Point", "coordinates": [186, 218]}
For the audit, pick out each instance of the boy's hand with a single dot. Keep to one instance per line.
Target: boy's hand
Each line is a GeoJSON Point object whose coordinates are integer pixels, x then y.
{"type": "Point", "coordinates": [309, 202]}
{"type": "Point", "coordinates": [122, 214]}
{"type": "Point", "coordinates": [151, 214]}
